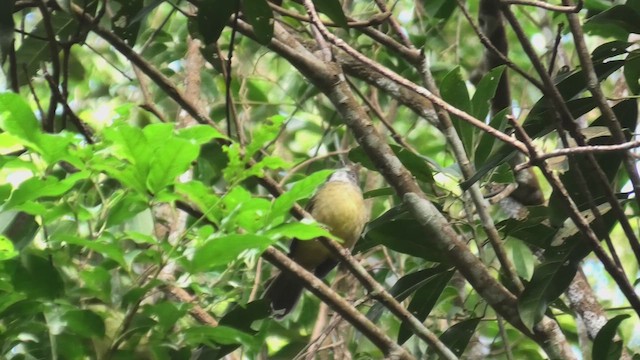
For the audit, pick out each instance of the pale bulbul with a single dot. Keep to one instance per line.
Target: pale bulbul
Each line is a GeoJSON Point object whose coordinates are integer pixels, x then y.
{"type": "Point", "coordinates": [339, 206]}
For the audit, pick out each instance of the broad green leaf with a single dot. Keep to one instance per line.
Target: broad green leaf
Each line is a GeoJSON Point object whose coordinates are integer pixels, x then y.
{"type": "Point", "coordinates": [609, 50]}
{"type": "Point", "coordinates": [17, 119]}
{"type": "Point", "coordinates": [104, 246]}
{"type": "Point", "coordinates": [604, 345]}
{"type": "Point", "coordinates": [300, 190]}
{"type": "Point", "coordinates": [485, 91]}
{"type": "Point", "coordinates": [33, 51]}
{"type": "Point", "coordinates": [7, 251]}
{"type": "Point", "coordinates": [169, 162]}
{"type": "Point", "coordinates": [224, 335]}
{"type": "Point", "coordinates": [200, 134]}
{"type": "Point", "coordinates": [549, 280]}
{"type": "Point", "coordinates": [222, 250]}
{"type": "Point", "coordinates": [488, 144]}
{"type": "Point", "coordinates": [213, 16]}
{"type": "Point", "coordinates": [618, 21]}
{"type": "Point", "coordinates": [298, 230]}
{"type": "Point", "coordinates": [84, 323]}
{"type": "Point", "coordinates": [405, 286]}
{"type": "Point", "coordinates": [396, 224]}
{"type": "Point", "coordinates": [37, 277]}
{"type": "Point", "coordinates": [421, 167]}
{"type": "Point", "coordinates": [36, 188]}
{"type": "Point", "coordinates": [203, 197]}
{"type": "Point", "coordinates": [424, 300]}
{"type": "Point", "coordinates": [632, 72]}
{"type": "Point", "coordinates": [454, 90]}
{"type": "Point", "coordinates": [457, 337]}
{"type": "Point", "coordinates": [333, 9]}
{"type": "Point", "coordinates": [260, 17]}
{"type": "Point", "coordinates": [122, 21]}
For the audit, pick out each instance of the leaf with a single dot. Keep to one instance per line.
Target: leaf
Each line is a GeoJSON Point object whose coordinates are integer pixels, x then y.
{"type": "Point", "coordinates": [213, 16]}
{"type": "Point", "coordinates": [404, 235]}
{"type": "Point", "coordinates": [424, 300]}
{"type": "Point", "coordinates": [200, 134]}
{"type": "Point", "coordinates": [604, 345]}
{"type": "Point", "coordinates": [549, 280]}
{"type": "Point", "coordinates": [7, 251]}
{"type": "Point", "coordinates": [632, 72]}
{"type": "Point", "coordinates": [419, 166]}
{"type": "Point", "coordinates": [222, 250]}
{"type": "Point", "coordinates": [618, 22]}
{"type": "Point", "coordinates": [405, 286]}
{"type": "Point", "coordinates": [123, 23]}
{"type": "Point", "coordinates": [84, 323]}
{"type": "Point", "coordinates": [539, 120]}
{"type": "Point", "coordinates": [169, 162]}
{"type": "Point", "coordinates": [37, 277]}
{"type": "Point", "coordinates": [454, 91]}
{"type": "Point", "coordinates": [609, 50]}
{"type": "Point", "coordinates": [17, 119]}
{"type": "Point", "coordinates": [485, 91]}
{"type": "Point", "coordinates": [457, 337]}
{"type": "Point", "coordinates": [260, 17]}
{"type": "Point", "coordinates": [489, 143]}
{"type": "Point", "coordinates": [35, 188]}
{"type": "Point", "coordinates": [333, 9]}
{"type": "Point", "coordinates": [33, 51]}
{"type": "Point", "coordinates": [103, 246]}
{"type": "Point", "coordinates": [300, 190]}
{"type": "Point", "coordinates": [298, 230]}
{"type": "Point", "coordinates": [201, 334]}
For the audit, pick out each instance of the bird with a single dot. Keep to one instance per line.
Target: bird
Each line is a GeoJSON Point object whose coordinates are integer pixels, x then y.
{"type": "Point", "coordinates": [339, 206]}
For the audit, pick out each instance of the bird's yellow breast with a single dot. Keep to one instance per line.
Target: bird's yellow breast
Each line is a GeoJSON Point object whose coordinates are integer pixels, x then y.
{"type": "Point", "coordinates": [340, 207]}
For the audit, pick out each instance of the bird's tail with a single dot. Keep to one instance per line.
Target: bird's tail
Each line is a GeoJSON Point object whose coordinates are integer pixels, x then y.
{"type": "Point", "coordinates": [283, 293]}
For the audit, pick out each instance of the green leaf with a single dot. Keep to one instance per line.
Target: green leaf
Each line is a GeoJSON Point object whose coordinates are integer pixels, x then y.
{"type": "Point", "coordinates": [454, 91]}
{"type": "Point", "coordinates": [424, 300]}
{"type": "Point", "coordinates": [538, 122]}
{"type": "Point", "coordinates": [169, 162]}
{"type": "Point", "coordinates": [222, 250]}
{"type": "Point", "coordinates": [35, 188]}
{"type": "Point", "coordinates": [260, 17]}
{"type": "Point", "coordinates": [201, 334]}
{"type": "Point", "coordinates": [489, 143]}
{"type": "Point", "coordinates": [203, 197]}
{"type": "Point", "coordinates": [298, 230]}
{"type": "Point", "coordinates": [37, 277]}
{"type": "Point", "coordinates": [7, 251]}
{"type": "Point", "coordinates": [333, 9]}
{"type": "Point", "coordinates": [485, 90]}
{"type": "Point", "coordinates": [420, 166]}
{"type": "Point", "coordinates": [609, 50]}
{"type": "Point", "coordinates": [604, 345]}
{"type": "Point", "coordinates": [200, 134]}
{"type": "Point", "coordinates": [105, 247]}
{"type": "Point", "coordinates": [549, 280]}
{"type": "Point", "coordinates": [17, 119]}
{"type": "Point", "coordinates": [300, 190]}
{"type": "Point", "coordinates": [405, 286]}
{"type": "Point", "coordinates": [123, 23]}
{"type": "Point", "coordinates": [632, 72]}
{"type": "Point", "coordinates": [457, 337]}
{"type": "Point", "coordinates": [84, 323]}
{"type": "Point", "coordinates": [33, 51]}
{"type": "Point", "coordinates": [618, 22]}
{"type": "Point", "coordinates": [400, 232]}
{"type": "Point", "coordinates": [213, 16]}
